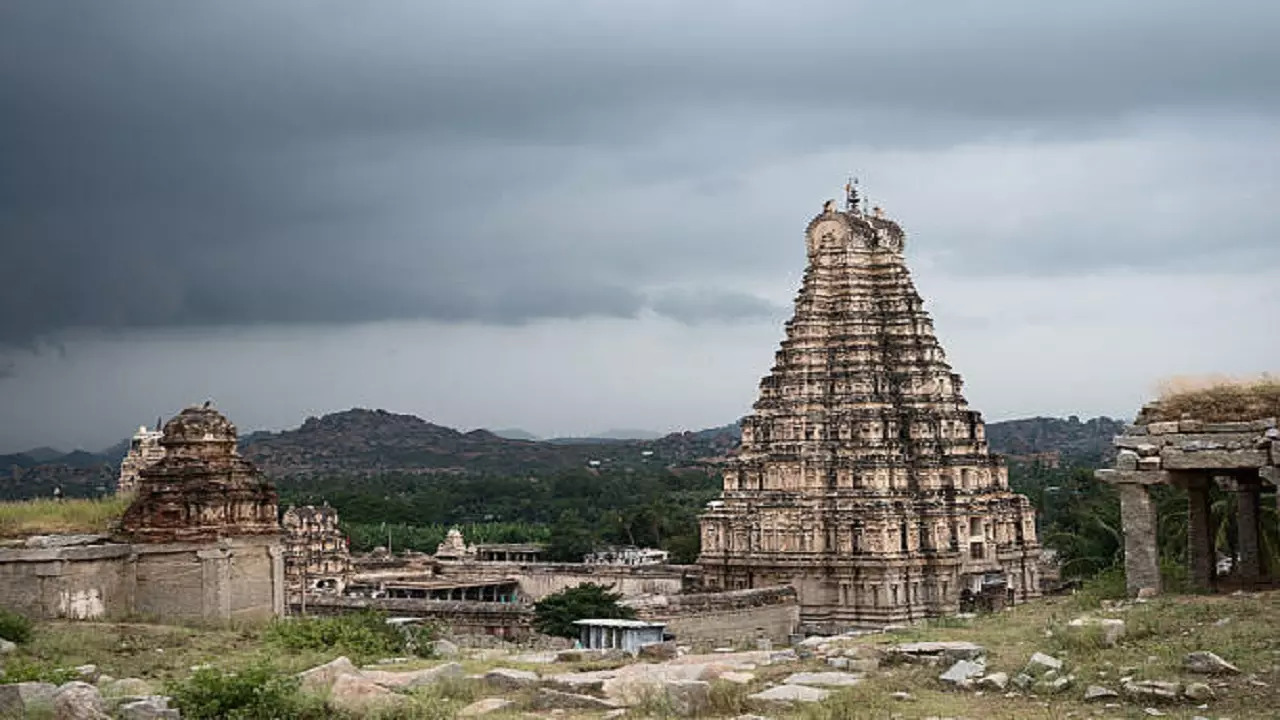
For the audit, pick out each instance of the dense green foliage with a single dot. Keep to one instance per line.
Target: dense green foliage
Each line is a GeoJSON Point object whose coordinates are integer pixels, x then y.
{"type": "Point", "coordinates": [656, 508]}
{"type": "Point", "coordinates": [14, 627]}
{"type": "Point", "coordinates": [556, 613]}
{"type": "Point", "coordinates": [257, 692]}
{"type": "Point", "coordinates": [361, 636]}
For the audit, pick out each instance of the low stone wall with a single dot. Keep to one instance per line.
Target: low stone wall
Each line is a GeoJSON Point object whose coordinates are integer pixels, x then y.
{"type": "Point", "coordinates": [240, 580]}
{"type": "Point", "coordinates": [503, 620]}
{"type": "Point", "coordinates": [736, 617]}
{"type": "Point", "coordinates": [538, 580]}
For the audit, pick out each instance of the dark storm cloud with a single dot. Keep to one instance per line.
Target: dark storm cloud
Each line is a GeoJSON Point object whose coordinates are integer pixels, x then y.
{"type": "Point", "coordinates": [237, 163]}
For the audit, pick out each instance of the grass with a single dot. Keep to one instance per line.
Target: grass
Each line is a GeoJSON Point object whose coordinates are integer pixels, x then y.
{"type": "Point", "coordinates": [1217, 399]}
{"type": "Point", "coordinates": [47, 516]}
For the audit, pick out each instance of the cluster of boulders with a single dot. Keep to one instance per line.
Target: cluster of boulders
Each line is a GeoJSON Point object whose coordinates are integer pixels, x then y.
{"type": "Point", "coordinates": [94, 696]}
{"type": "Point", "coordinates": [370, 690]}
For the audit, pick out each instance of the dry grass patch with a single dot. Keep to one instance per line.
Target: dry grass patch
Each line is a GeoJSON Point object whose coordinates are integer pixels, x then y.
{"type": "Point", "coordinates": [1216, 399]}
{"type": "Point", "coordinates": [47, 516]}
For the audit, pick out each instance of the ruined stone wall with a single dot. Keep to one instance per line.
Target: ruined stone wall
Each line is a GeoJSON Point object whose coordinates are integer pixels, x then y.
{"type": "Point", "coordinates": [542, 579]}
{"type": "Point", "coordinates": [230, 580]}
{"type": "Point", "coordinates": [733, 618]}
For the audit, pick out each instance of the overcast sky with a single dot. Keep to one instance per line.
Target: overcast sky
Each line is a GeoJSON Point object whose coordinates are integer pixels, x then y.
{"type": "Point", "coordinates": [571, 216]}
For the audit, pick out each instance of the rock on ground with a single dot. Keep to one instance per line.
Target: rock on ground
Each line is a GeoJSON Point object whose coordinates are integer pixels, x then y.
{"type": "Point", "coordinates": [1094, 693]}
{"type": "Point", "coordinates": [359, 695]}
{"type": "Point", "coordinates": [1198, 692]}
{"type": "Point", "coordinates": [510, 678]}
{"type": "Point", "coordinates": [1112, 629]}
{"type": "Point", "coordinates": [485, 706]}
{"type": "Point", "coordinates": [548, 699]}
{"type": "Point", "coordinates": [687, 697]}
{"type": "Point", "coordinates": [791, 694]}
{"type": "Point", "coordinates": [823, 679]}
{"type": "Point", "coordinates": [444, 649]}
{"type": "Point", "coordinates": [17, 698]}
{"type": "Point", "coordinates": [127, 687]}
{"type": "Point", "coordinates": [737, 678]}
{"type": "Point", "coordinates": [7, 647]}
{"type": "Point", "coordinates": [1207, 663]}
{"type": "Point", "coordinates": [79, 701]}
{"type": "Point", "coordinates": [1041, 663]}
{"type": "Point", "coordinates": [155, 707]}
{"type": "Point", "coordinates": [414, 678]}
{"type": "Point", "coordinates": [659, 651]}
{"type": "Point", "coordinates": [995, 681]}
{"type": "Point", "coordinates": [319, 679]}
{"type": "Point", "coordinates": [1152, 690]}
{"type": "Point", "coordinates": [963, 671]}
{"type": "Point", "coordinates": [936, 651]}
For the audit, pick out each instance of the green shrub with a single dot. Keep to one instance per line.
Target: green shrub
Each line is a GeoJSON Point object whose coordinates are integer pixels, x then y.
{"type": "Point", "coordinates": [556, 613]}
{"type": "Point", "coordinates": [258, 692]}
{"type": "Point", "coordinates": [18, 670]}
{"type": "Point", "coordinates": [14, 627]}
{"type": "Point", "coordinates": [361, 636]}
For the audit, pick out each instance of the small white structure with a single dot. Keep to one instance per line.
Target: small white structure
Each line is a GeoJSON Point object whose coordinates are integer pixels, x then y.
{"type": "Point", "coordinates": [144, 451]}
{"type": "Point", "coordinates": [626, 635]}
{"type": "Point", "coordinates": [627, 556]}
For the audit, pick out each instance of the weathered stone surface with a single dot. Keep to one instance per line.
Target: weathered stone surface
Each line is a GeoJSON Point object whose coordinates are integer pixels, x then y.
{"type": "Point", "coordinates": [995, 681]}
{"type": "Point", "coordinates": [823, 679]}
{"type": "Point", "coordinates": [579, 682]}
{"type": "Point", "coordinates": [319, 679]}
{"type": "Point", "coordinates": [658, 651]}
{"type": "Point", "coordinates": [1152, 690]}
{"type": "Point", "coordinates": [7, 647]}
{"type": "Point", "coordinates": [549, 699]}
{"type": "Point", "coordinates": [510, 678]}
{"type": "Point", "coordinates": [155, 707]}
{"type": "Point", "coordinates": [687, 697]}
{"type": "Point", "coordinates": [862, 426]}
{"type": "Point", "coordinates": [791, 694]}
{"type": "Point", "coordinates": [127, 687]}
{"type": "Point", "coordinates": [414, 678]}
{"type": "Point", "coordinates": [1198, 692]}
{"type": "Point", "coordinates": [963, 672]}
{"type": "Point", "coordinates": [444, 649]}
{"type": "Point", "coordinates": [356, 694]}
{"type": "Point", "coordinates": [1208, 663]}
{"type": "Point", "coordinates": [485, 706]}
{"type": "Point", "coordinates": [17, 698]}
{"type": "Point", "coordinates": [737, 677]}
{"type": "Point", "coordinates": [1095, 693]}
{"type": "Point", "coordinates": [1041, 663]}
{"type": "Point", "coordinates": [87, 673]}
{"type": "Point", "coordinates": [79, 701]}
{"type": "Point", "coordinates": [1110, 630]}
{"type": "Point", "coordinates": [1177, 459]}
{"type": "Point", "coordinates": [936, 651]}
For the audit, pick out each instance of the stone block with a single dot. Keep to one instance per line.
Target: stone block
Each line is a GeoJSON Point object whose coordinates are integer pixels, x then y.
{"type": "Point", "coordinates": [1163, 428]}
{"type": "Point", "coordinates": [1175, 459]}
{"type": "Point", "coordinates": [1132, 477]}
{"type": "Point", "coordinates": [1126, 460]}
{"type": "Point", "coordinates": [1189, 425]}
{"type": "Point", "coordinates": [791, 694]}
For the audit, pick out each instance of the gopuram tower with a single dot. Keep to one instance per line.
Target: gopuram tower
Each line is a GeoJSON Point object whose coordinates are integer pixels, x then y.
{"type": "Point", "coordinates": [863, 478]}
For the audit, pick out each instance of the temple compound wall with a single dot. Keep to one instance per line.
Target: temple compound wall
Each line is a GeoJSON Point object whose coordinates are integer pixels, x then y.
{"type": "Point", "coordinates": [538, 580]}
{"type": "Point", "coordinates": [1238, 458]}
{"type": "Point", "coordinates": [734, 618]}
{"type": "Point", "coordinates": [863, 479]}
{"type": "Point", "coordinates": [199, 544]}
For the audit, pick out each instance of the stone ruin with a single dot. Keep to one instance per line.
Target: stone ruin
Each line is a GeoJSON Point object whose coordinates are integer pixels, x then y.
{"type": "Point", "coordinates": [316, 553]}
{"type": "Point", "coordinates": [863, 478]}
{"type": "Point", "coordinates": [1238, 456]}
{"type": "Point", "coordinates": [201, 489]}
{"type": "Point", "coordinates": [144, 451]}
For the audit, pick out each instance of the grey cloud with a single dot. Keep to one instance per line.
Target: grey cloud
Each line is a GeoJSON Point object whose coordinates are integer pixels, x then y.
{"type": "Point", "coordinates": [240, 163]}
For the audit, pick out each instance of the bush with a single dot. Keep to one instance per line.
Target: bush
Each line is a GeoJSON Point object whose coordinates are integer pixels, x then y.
{"type": "Point", "coordinates": [362, 636]}
{"type": "Point", "coordinates": [14, 627]}
{"type": "Point", "coordinates": [258, 692]}
{"type": "Point", "coordinates": [17, 670]}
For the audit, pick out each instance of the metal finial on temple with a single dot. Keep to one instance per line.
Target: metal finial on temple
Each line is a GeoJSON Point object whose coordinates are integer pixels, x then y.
{"type": "Point", "coordinates": [851, 195]}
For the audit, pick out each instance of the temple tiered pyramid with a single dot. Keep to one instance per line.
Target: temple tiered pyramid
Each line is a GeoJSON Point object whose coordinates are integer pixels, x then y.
{"type": "Point", "coordinates": [863, 478]}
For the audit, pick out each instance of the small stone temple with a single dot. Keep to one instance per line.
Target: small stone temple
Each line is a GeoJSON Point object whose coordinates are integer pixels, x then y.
{"type": "Point", "coordinates": [864, 478]}
{"type": "Point", "coordinates": [1238, 457]}
{"type": "Point", "coordinates": [144, 451]}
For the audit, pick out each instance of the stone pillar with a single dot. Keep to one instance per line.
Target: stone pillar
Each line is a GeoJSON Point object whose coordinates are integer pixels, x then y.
{"type": "Point", "coordinates": [1247, 531]}
{"type": "Point", "coordinates": [1200, 551]}
{"type": "Point", "coordinates": [1141, 554]}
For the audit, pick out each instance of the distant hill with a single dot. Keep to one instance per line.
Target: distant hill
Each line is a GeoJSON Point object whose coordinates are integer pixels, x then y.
{"type": "Point", "coordinates": [1043, 439]}
{"type": "Point", "coordinates": [515, 434]}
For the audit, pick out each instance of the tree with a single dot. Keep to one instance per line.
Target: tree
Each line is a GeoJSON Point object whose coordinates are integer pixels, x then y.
{"type": "Point", "coordinates": [570, 538]}
{"type": "Point", "coordinates": [556, 613]}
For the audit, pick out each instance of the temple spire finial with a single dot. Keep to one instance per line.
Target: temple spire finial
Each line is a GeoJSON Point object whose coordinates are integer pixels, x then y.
{"type": "Point", "coordinates": [851, 200]}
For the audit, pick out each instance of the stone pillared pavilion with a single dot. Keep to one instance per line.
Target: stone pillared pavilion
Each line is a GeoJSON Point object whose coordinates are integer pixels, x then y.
{"type": "Point", "coordinates": [864, 478]}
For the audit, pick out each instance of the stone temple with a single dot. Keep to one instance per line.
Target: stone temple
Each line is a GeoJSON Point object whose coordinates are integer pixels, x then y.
{"type": "Point", "coordinates": [864, 479]}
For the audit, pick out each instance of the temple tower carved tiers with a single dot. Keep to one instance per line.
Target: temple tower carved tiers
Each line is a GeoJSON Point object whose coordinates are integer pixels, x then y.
{"type": "Point", "coordinates": [863, 478]}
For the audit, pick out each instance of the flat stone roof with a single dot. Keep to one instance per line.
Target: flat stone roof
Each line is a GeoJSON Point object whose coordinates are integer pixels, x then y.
{"type": "Point", "coordinates": [619, 623]}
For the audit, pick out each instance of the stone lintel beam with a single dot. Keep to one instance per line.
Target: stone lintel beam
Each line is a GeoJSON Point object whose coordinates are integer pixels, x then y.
{"type": "Point", "coordinates": [1141, 555]}
{"type": "Point", "coordinates": [1173, 458]}
{"type": "Point", "coordinates": [1207, 441]}
{"type": "Point", "coordinates": [1133, 477]}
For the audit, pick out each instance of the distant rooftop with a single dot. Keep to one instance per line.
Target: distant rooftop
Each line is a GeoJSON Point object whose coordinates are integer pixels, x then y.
{"type": "Point", "coordinates": [614, 622]}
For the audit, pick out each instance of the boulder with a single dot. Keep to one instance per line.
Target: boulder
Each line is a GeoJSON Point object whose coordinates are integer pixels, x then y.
{"type": "Point", "coordinates": [1023, 681]}
{"type": "Point", "coordinates": [88, 673]}
{"type": "Point", "coordinates": [1198, 692]}
{"type": "Point", "coordinates": [17, 698]}
{"type": "Point", "coordinates": [839, 662]}
{"type": "Point", "coordinates": [548, 699]}
{"type": "Point", "coordinates": [962, 672]}
{"type": "Point", "coordinates": [414, 678]}
{"type": "Point", "coordinates": [580, 682]}
{"type": "Point", "coordinates": [360, 695]}
{"type": "Point", "coordinates": [155, 707]}
{"type": "Point", "coordinates": [79, 701]}
{"type": "Point", "coordinates": [1152, 690]}
{"type": "Point", "coordinates": [1110, 630]}
{"type": "Point", "coordinates": [444, 649]}
{"type": "Point", "coordinates": [1040, 664]}
{"type": "Point", "coordinates": [658, 651]}
{"type": "Point", "coordinates": [823, 679]}
{"type": "Point", "coordinates": [1094, 693]}
{"type": "Point", "coordinates": [791, 694]}
{"type": "Point", "coordinates": [637, 683]}
{"type": "Point", "coordinates": [687, 697]}
{"type": "Point", "coordinates": [1207, 663]}
{"type": "Point", "coordinates": [995, 681]}
{"type": "Point", "coordinates": [319, 679]}
{"type": "Point", "coordinates": [484, 707]}
{"type": "Point", "coordinates": [737, 677]}
{"type": "Point", "coordinates": [1055, 685]}
{"type": "Point", "coordinates": [510, 678]}
{"type": "Point", "coordinates": [936, 652]}
{"type": "Point", "coordinates": [7, 647]}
